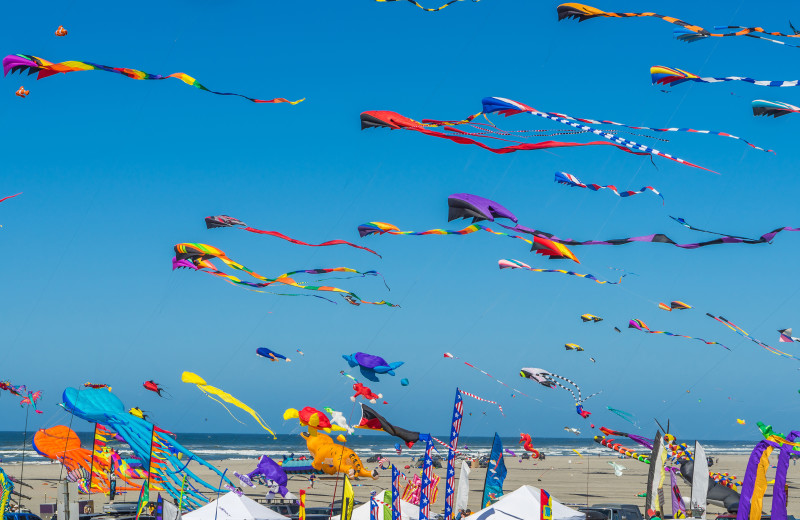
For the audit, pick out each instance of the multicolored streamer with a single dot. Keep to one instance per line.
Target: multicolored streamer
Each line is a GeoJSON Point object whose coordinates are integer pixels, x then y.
{"type": "Point", "coordinates": [640, 325]}
{"type": "Point", "coordinates": [43, 68]}
{"type": "Point", "coordinates": [516, 264]}
{"type": "Point", "coordinates": [661, 75]}
{"type": "Point", "coordinates": [571, 180]}
{"type": "Point", "coordinates": [687, 33]}
{"type": "Point", "coordinates": [429, 9]}
{"type": "Point", "coordinates": [740, 331]}
{"type": "Point", "coordinates": [451, 356]}
{"type": "Point", "coordinates": [541, 245]}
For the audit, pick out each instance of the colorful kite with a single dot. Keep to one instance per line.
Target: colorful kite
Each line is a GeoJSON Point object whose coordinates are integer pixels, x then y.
{"type": "Point", "coordinates": [786, 336]}
{"type": "Point", "coordinates": [661, 75]}
{"type": "Point", "coordinates": [21, 92]}
{"type": "Point", "coordinates": [487, 374]}
{"type": "Point", "coordinates": [527, 445]}
{"type": "Point", "coordinates": [591, 317]}
{"type": "Point", "coordinates": [339, 419]}
{"type": "Point", "coordinates": [540, 376]}
{"type": "Point", "coordinates": [539, 245]}
{"type": "Point", "coordinates": [571, 180]}
{"type": "Point", "coordinates": [676, 305]}
{"type": "Point", "coordinates": [549, 379]}
{"type": "Point", "coordinates": [214, 393]}
{"type": "Point", "coordinates": [740, 331]}
{"type": "Point", "coordinates": [96, 385]}
{"type": "Point", "coordinates": [219, 221]}
{"type": "Point", "coordinates": [365, 392]}
{"type": "Point", "coordinates": [371, 365]}
{"type": "Point", "coordinates": [573, 346]}
{"type": "Point", "coordinates": [61, 31]}
{"type": "Point", "coordinates": [516, 264]}
{"type": "Point", "coordinates": [29, 397]}
{"type": "Point", "coordinates": [153, 387]}
{"type": "Point", "coordinates": [199, 256]}
{"type": "Point", "coordinates": [138, 413]}
{"type": "Point", "coordinates": [763, 107]}
{"type": "Point", "coordinates": [332, 458]}
{"type": "Point", "coordinates": [43, 68]}
{"type": "Point", "coordinates": [430, 9]}
{"type": "Point", "coordinates": [312, 418]}
{"type": "Point", "coordinates": [270, 354]}
{"type": "Point", "coordinates": [627, 416]}
{"type": "Point", "coordinates": [269, 471]}
{"type": "Point", "coordinates": [372, 420]}
{"type": "Point", "coordinates": [640, 325]}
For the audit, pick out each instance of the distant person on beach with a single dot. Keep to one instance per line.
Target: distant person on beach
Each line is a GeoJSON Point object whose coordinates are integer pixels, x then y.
{"type": "Point", "coordinates": [460, 514]}
{"type": "Point", "coordinates": [311, 479]}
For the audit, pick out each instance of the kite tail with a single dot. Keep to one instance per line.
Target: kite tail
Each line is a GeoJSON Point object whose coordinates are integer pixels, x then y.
{"type": "Point", "coordinates": [223, 405]}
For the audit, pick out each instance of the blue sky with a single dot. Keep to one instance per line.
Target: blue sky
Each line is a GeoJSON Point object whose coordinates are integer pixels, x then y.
{"type": "Point", "coordinates": [115, 172]}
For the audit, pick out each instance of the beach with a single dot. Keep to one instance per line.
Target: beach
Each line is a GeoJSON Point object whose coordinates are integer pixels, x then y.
{"type": "Point", "coordinates": [572, 480]}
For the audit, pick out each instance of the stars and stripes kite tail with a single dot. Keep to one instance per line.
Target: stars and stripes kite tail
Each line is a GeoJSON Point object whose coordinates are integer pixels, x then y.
{"type": "Point", "coordinates": [661, 75]}
{"type": "Point", "coordinates": [43, 68]}
{"type": "Point", "coordinates": [516, 264]}
{"type": "Point", "coordinates": [762, 107]}
{"type": "Point", "coordinates": [571, 180]}
{"type": "Point", "coordinates": [429, 9]}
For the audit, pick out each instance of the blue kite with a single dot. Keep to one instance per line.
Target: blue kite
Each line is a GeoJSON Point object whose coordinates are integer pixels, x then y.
{"type": "Point", "coordinates": [270, 354]}
{"type": "Point", "coordinates": [371, 365]}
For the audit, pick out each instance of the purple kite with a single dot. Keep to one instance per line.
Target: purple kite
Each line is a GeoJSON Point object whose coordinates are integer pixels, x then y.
{"type": "Point", "coordinates": [371, 365]}
{"type": "Point", "coordinates": [268, 470]}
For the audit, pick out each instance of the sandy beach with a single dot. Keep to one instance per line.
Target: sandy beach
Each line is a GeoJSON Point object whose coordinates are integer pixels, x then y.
{"type": "Point", "coordinates": [571, 480]}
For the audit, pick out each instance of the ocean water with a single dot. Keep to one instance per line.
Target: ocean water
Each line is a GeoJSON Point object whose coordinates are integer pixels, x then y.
{"type": "Point", "coordinates": [213, 447]}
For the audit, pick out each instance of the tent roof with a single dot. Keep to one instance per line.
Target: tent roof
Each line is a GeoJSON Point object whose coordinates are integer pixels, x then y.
{"type": "Point", "coordinates": [233, 507]}
{"type": "Point", "coordinates": [522, 503]}
{"type": "Point", "coordinates": [407, 511]}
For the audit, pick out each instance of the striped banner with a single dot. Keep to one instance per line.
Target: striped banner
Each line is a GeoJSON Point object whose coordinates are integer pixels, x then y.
{"type": "Point", "coordinates": [395, 493]}
{"type": "Point", "coordinates": [455, 429]}
{"type": "Point", "coordinates": [425, 487]}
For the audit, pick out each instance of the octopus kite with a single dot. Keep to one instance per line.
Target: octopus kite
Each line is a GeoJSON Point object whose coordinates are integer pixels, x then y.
{"type": "Point", "coordinates": [219, 221]}
{"type": "Point", "coordinates": [551, 380]}
{"type": "Point", "coordinates": [198, 257]}
{"type": "Point", "coordinates": [640, 325]}
{"type": "Point", "coordinates": [43, 68]}
{"type": "Point", "coordinates": [687, 32]}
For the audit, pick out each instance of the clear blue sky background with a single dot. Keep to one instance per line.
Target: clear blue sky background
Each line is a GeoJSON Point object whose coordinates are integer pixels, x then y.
{"type": "Point", "coordinates": [115, 172]}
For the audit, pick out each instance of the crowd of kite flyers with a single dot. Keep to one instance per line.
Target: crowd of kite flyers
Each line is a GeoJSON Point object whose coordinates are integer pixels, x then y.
{"type": "Point", "coordinates": [160, 465]}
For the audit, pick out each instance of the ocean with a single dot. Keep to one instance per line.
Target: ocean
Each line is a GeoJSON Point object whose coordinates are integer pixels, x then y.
{"type": "Point", "coordinates": [251, 446]}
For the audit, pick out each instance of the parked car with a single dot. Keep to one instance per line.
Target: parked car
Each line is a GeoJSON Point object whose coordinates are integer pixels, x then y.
{"type": "Point", "coordinates": [23, 515]}
{"type": "Point", "coordinates": [616, 511]}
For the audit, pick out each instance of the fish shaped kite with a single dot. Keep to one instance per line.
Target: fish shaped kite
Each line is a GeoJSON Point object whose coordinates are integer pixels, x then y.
{"type": "Point", "coordinates": [219, 221]}
{"type": "Point", "coordinates": [687, 33]}
{"type": "Point", "coordinates": [661, 75]}
{"type": "Point", "coordinates": [199, 256]}
{"type": "Point", "coordinates": [539, 245]}
{"type": "Point", "coordinates": [591, 317]}
{"type": "Point", "coordinates": [21, 92]}
{"type": "Point", "coordinates": [43, 68]}
{"type": "Point", "coordinates": [270, 354]}
{"type": "Point", "coordinates": [371, 365]}
{"type": "Point", "coordinates": [571, 180]}
{"type": "Point", "coordinates": [61, 31]}
{"type": "Point", "coordinates": [640, 325]}
{"type": "Point", "coordinates": [429, 9]}
{"type": "Point", "coordinates": [516, 264]}
{"type": "Point", "coordinates": [219, 396]}
{"type": "Point", "coordinates": [762, 107]}
{"type": "Point", "coordinates": [138, 413]}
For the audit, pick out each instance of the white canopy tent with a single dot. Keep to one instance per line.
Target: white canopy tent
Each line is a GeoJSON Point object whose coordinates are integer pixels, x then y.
{"type": "Point", "coordinates": [524, 503]}
{"type": "Point", "coordinates": [407, 511]}
{"type": "Point", "coordinates": [233, 507]}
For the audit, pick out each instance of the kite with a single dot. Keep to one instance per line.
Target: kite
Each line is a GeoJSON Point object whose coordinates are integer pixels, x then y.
{"type": "Point", "coordinates": [466, 205]}
{"type": "Point", "coordinates": [43, 68]}
{"type": "Point", "coordinates": [199, 256]}
{"type": "Point", "coordinates": [685, 224]}
{"type": "Point", "coordinates": [300, 352]}
{"type": "Point", "coordinates": [549, 379]}
{"type": "Point", "coordinates": [138, 413]}
{"type": "Point", "coordinates": [61, 31]}
{"type": "Point", "coordinates": [571, 180]}
{"type": "Point", "coordinates": [618, 468]}
{"type": "Point", "coordinates": [430, 9]}
{"type": "Point", "coordinates": [21, 92]}
{"type": "Point", "coordinates": [676, 305]}
{"type": "Point", "coordinates": [786, 336]}
{"type": "Point", "coordinates": [156, 448]}
{"type": "Point", "coordinates": [404, 381]}
{"type": "Point", "coordinates": [96, 386]}
{"type": "Point", "coordinates": [591, 317]}
{"type": "Point", "coordinates": [338, 419]}
{"type": "Point", "coordinates": [29, 397]}
{"type": "Point", "coordinates": [215, 393]}
{"type": "Point", "coordinates": [487, 374]}
{"type": "Point", "coordinates": [573, 346]}
{"type": "Point", "coordinates": [740, 331]}
{"type": "Point", "coordinates": [372, 420]}
{"type": "Point", "coordinates": [270, 354]}
{"type": "Point", "coordinates": [627, 416]}
{"type": "Point", "coordinates": [268, 470]}
{"type": "Point", "coordinates": [687, 33]}
{"type": "Point", "coordinates": [763, 107]}
{"type": "Point", "coordinates": [366, 393]}
{"type": "Point", "coordinates": [6, 490]}
{"type": "Point", "coordinates": [516, 264]}
{"type": "Point", "coordinates": [528, 445]}
{"type": "Point", "coordinates": [576, 431]}
{"type": "Point", "coordinates": [640, 325]}
{"type": "Point", "coordinates": [312, 418]}
{"type": "Point", "coordinates": [219, 221]}
{"type": "Point", "coordinates": [332, 458]}
{"type": "Point", "coordinates": [371, 365]}
{"type": "Point", "coordinates": [740, 421]}
{"type": "Point", "coordinates": [593, 360]}
{"type": "Point", "coordinates": [10, 197]}
{"type": "Point", "coordinates": [540, 245]}
{"type": "Point", "coordinates": [153, 387]}
{"type": "Point", "coordinates": [661, 75]}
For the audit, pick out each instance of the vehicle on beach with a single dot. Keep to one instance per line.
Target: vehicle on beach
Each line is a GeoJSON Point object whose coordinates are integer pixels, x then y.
{"type": "Point", "coordinates": [615, 511]}
{"type": "Point", "coordinates": [22, 515]}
